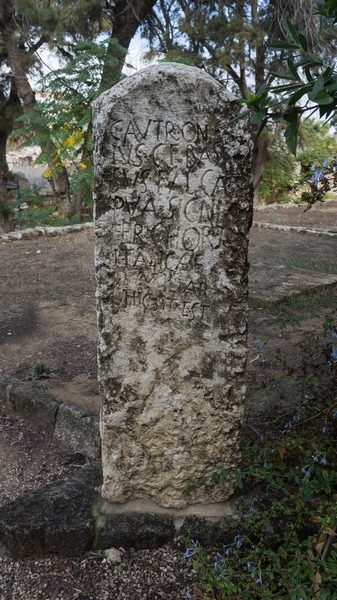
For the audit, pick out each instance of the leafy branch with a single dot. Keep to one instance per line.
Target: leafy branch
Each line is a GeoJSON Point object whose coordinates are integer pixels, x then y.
{"type": "Point", "coordinates": [306, 78]}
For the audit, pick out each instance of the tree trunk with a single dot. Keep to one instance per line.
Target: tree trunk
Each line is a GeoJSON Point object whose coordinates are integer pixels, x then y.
{"type": "Point", "coordinates": [5, 220]}
{"type": "Point", "coordinates": [3, 162]}
{"type": "Point", "coordinates": [59, 184]}
{"type": "Point", "coordinates": [127, 18]}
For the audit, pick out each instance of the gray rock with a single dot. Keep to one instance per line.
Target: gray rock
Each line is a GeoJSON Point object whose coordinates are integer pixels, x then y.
{"type": "Point", "coordinates": [77, 429]}
{"type": "Point", "coordinates": [67, 518]}
{"type": "Point", "coordinates": [28, 402]}
{"type": "Point", "coordinates": [57, 519]}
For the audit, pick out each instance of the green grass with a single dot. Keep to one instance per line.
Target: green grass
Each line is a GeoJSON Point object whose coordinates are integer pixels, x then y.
{"type": "Point", "coordinates": [320, 266]}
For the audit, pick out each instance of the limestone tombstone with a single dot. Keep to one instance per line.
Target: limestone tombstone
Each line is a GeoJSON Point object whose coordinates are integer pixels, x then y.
{"type": "Point", "coordinates": [173, 211]}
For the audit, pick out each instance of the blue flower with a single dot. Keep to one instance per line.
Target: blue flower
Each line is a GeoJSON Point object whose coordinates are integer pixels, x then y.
{"type": "Point", "coordinates": [334, 414]}
{"type": "Point", "coordinates": [259, 580]}
{"type": "Point", "coordinates": [306, 472]}
{"type": "Point", "coordinates": [319, 174]}
{"type": "Point", "coordinates": [265, 465]}
{"type": "Point", "coordinates": [333, 355]}
{"type": "Point", "coordinates": [188, 596]}
{"type": "Point", "coordinates": [220, 563]}
{"type": "Point", "coordinates": [325, 163]}
{"type": "Point", "coordinates": [259, 346]}
{"type": "Point", "coordinates": [324, 461]}
{"type": "Point", "coordinates": [313, 168]}
{"type": "Point", "coordinates": [190, 551]}
{"type": "Point", "coordinates": [324, 429]}
{"type": "Point", "coordinates": [334, 334]}
{"type": "Point", "coordinates": [314, 457]}
{"type": "Point", "coordinates": [238, 541]}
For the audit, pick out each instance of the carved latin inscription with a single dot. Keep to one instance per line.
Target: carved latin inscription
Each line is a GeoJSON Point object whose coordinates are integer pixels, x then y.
{"type": "Point", "coordinates": [173, 207]}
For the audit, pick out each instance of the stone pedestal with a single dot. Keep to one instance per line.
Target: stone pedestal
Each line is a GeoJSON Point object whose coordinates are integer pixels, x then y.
{"type": "Point", "coordinates": [173, 211]}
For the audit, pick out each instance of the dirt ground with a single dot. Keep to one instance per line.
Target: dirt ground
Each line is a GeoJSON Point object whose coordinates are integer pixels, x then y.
{"type": "Point", "coordinates": [47, 314]}
{"type": "Point", "coordinates": [322, 215]}
{"type": "Point", "coordinates": [47, 295]}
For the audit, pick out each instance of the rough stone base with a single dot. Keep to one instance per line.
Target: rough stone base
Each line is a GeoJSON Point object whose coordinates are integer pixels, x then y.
{"type": "Point", "coordinates": [73, 425]}
{"type": "Point", "coordinates": [57, 519]}
{"type": "Point", "coordinates": [67, 518]}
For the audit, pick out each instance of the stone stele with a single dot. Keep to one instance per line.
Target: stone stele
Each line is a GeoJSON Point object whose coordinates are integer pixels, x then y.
{"type": "Point", "coordinates": [173, 211]}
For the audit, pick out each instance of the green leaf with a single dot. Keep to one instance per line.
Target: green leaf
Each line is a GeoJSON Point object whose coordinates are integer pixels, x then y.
{"type": "Point", "coordinates": [329, 72]}
{"type": "Point", "coordinates": [286, 88]}
{"type": "Point", "coordinates": [241, 115]}
{"type": "Point", "coordinates": [282, 76]}
{"type": "Point", "coordinates": [330, 7]}
{"type": "Point", "coordinates": [308, 74]}
{"type": "Point", "coordinates": [326, 110]}
{"type": "Point", "coordinates": [290, 116]}
{"type": "Point", "coordinates": [261, 128]}
{"type": "Point", "coordinates": [303, 41]}
{"type": "Point", "coordinates": [331, 87]}
{"type": "Point", "coordinates": [258, 116]}
{"type": "Point", "coordinates": [318, 87]}
{"type": "Point", "coordinates": [291, 31]}
{"type": "Point", "coordinates": [284, 46]}
{"type": "Point", "coordinates": [324, 98]}
{"type": "Point", "coordinates": [291, 135]}
{"type": "Point", "coordinates": [309, 62]}
{"type": "Point", "coordinates": [293, 70]}
{"type": "Point", "coordinates": [298, 95]}
{"type": "Point", "coordinates": [262, 89]}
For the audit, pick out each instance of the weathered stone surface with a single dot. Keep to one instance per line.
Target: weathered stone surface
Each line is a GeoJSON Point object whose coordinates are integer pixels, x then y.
{"type": "Point", "coordinates": [134, 530]}
{"type": "Point", "coordinates": [67, 518]}
{"type": "Point", "coordinates": [73, 425]}
{"type": "Point", "coordinates": [33, 404]}
{"type": "Point", "coordinates": [78, 429]}
{"type": "Point", "coordinates": [173, 210]}
{"type": "Point", "coordinates": [57, 519]}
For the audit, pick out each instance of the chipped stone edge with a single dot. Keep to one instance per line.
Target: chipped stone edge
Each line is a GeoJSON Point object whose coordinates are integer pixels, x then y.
{"type": "Point", "coordinates": [73, 425]}
{"type": "Point", "coordinates": [38, 232]}
{"type": "Point", "coordinates": [294, 229]}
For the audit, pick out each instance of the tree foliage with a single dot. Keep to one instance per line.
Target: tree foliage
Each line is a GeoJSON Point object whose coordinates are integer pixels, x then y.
{"type": "Point", "coordinates": [309, 81]}
{"type": "Point", "coordinates": [71, 30]}
{"type": "Point", "coordinates": [279, 172]}
{"type": "Point", "coordinates": [62, 123]}
{"type": "Point", "coordinates": [232, 41]}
